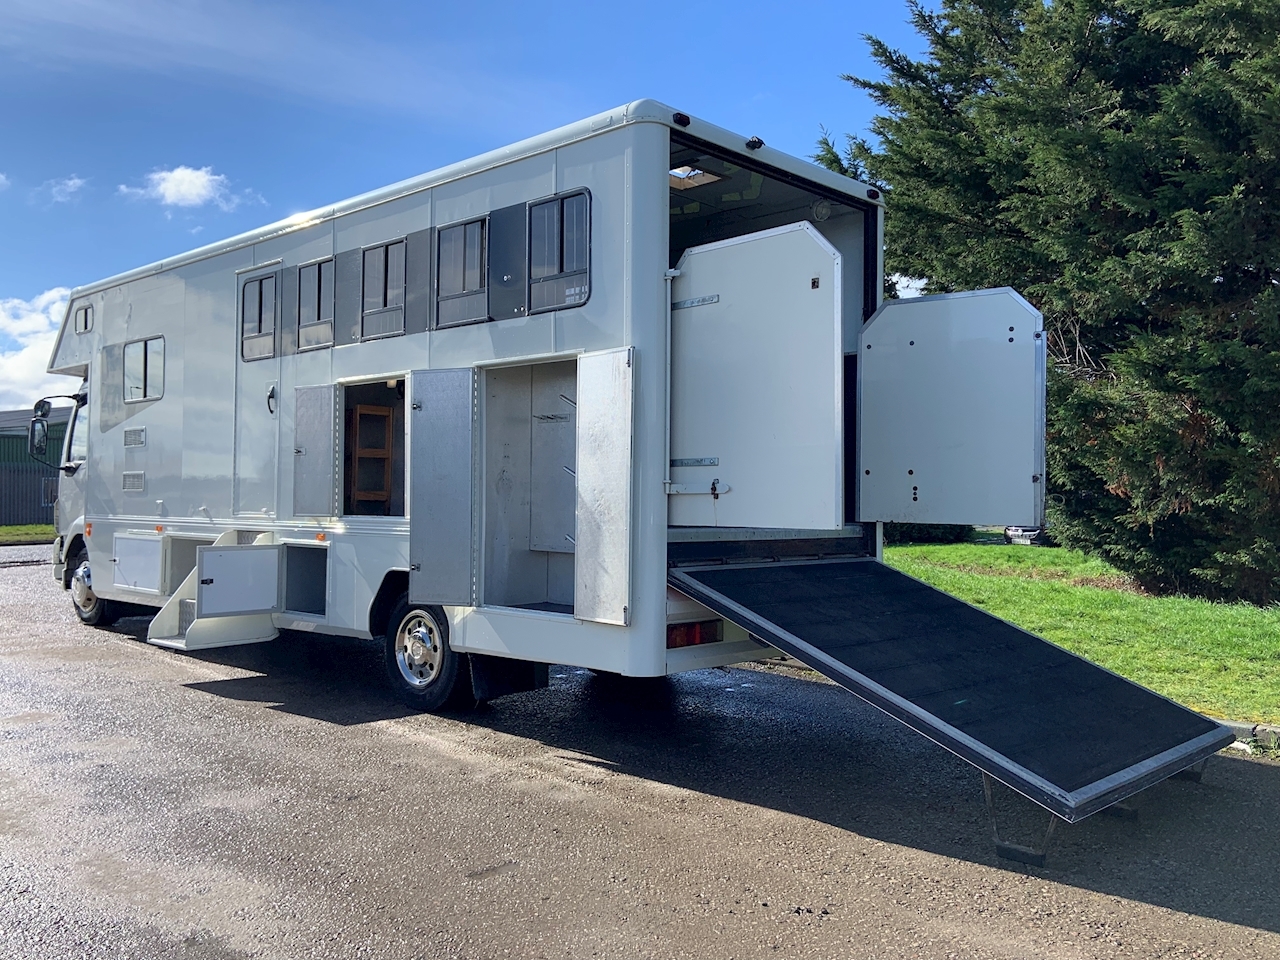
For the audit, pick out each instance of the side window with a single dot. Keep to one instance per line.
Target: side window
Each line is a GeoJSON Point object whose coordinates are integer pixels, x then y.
{"type": "Point", "coordinates": [144, 370]}
{"type": "Point", "coordinates": [559, 252]}
{"type": "Point", "coordinates": [84, 318]}
{"type": "Point", "coordinates": [78, 442]}
{"type": "Point", "coordinates": [383, 309]}
{"type": "Point", "coordinates": [461, 292]}
{"type": "Point", "coordinates": [315, 305]}
{"type": "Point", "coordinates": [258, 318]}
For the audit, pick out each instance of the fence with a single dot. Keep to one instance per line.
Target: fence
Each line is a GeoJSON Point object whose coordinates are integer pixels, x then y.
{"type": "Point", "coordinates": [27, 492]}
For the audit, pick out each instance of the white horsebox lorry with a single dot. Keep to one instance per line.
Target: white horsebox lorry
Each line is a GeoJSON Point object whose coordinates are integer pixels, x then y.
{"type": "Point", "coordinates": [623, 396]}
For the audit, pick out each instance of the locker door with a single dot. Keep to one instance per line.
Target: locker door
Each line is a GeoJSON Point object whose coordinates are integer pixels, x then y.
{"type": "Point", "coordinates": [951, 395]}
{"type": "Point", "coordinates": [441, 534]}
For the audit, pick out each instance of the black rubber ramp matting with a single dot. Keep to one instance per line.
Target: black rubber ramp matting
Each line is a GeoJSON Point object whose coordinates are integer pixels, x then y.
{"type": "Point", "coordinates": [1065, 732]}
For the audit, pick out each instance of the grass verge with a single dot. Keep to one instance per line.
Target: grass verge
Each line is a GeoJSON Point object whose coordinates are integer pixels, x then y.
{"type": "Point", "coordinates": [27, 533]}
{"type": "Point", "coordinates": [1222, 659]}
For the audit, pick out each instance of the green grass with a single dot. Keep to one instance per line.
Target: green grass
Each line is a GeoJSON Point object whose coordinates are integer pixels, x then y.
{"type": "Point", "coordinates": [27, 533]}
{"type": "Point", "coordinates": [1222, 659]}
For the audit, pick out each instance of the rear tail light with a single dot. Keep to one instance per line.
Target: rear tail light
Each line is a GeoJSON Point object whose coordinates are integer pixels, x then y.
{"type": "Point", "coordinates": [694, 634]}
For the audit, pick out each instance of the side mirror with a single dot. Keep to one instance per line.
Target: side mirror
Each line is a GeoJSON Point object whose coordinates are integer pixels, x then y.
{"type": "Point", "coordinates": [42, 409]}
{"type": "Point", "coordinates": [38, 436]}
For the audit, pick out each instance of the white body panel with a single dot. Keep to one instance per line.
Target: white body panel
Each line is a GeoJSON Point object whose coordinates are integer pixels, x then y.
{"type": "Point", "coordinates": [951, 411]}
{"type": "Point", "coordinates": [756, 383]}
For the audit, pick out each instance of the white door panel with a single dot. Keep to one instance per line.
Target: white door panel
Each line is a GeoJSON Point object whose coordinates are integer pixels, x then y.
{"type": "Point", "coordinates": [756, 383]}
{"type": "Point", "coordinates": [138, 561]}
{"type": "Point", "coordinates": [951, 396]}
{"type": "Point", "coordinates": [237, 580]}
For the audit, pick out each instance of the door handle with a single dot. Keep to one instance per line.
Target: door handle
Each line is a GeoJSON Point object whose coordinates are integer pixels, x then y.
{"type": "Point", "coordinates": [206, 581]}
{"type": "Point", "coordinates": [271, 399]}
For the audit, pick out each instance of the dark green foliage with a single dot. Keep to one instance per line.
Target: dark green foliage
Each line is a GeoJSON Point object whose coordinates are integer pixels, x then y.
{"type": "Point", "coordinates": [898, 533]}
{"type": "Point", "coordinates": [1119, 164]}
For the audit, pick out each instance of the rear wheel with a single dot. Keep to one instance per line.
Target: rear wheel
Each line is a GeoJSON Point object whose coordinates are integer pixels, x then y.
{"type": "Point", "coordinates": [90, 608]}
{"type": "Point", "coordinates": [426, 674]}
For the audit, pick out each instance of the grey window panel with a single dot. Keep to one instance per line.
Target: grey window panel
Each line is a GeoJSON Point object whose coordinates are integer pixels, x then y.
{"type": "Point", "coordinates": [465, 309]}
{"type": "Point", "coordinates": [289, 311]}
{"type": "Point", "coordinates": [258, 348]}
{"type": "Point", "coordinates": [417, 270]}
{"type": "Point", "coordinates": [134, 370]}
{"type": "Point", "coordinates": [566, 291]}
{"type": "Point", "coordinates": [309, 294]}
{"type": "Point", "coordinates": [314, 467]}
{"type": "Point", "coordinates": [544, 239]}
{"type": "Point", "coordinates": [267, 323]}
{"type": "Point", "coordinates": [383, 323]}
{"type": "Point", "coordinates": [375, 278]}
{"type": "Point", "coordinates": [507, 262]}
{"type": "Point", "coordinates": [250, 311]}
{"type": "Point", "coordinates": [155, 368]}
{"type": "Point", "coordinates": [452, 274]}
{"type": "Point", "coordinates": [346, 297]}
{"type": "Point", "coordinates": [602, 507]}
{"type": "Point", "coordinates": [441, 537]}
{"type": "Point", "coordinates": [315, 335]}
{"type": "Point", "coordinates": [473, 256]}
{"type": "Point", "coordinates": [575, 245]}
{"type": "Point", "coordinates": [395, 274]}
{"type": "Point", "coordinates": [326, 290]}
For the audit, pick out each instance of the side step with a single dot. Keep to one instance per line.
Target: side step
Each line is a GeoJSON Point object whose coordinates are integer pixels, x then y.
{"type": "Point", "coordinates": [176, 626]}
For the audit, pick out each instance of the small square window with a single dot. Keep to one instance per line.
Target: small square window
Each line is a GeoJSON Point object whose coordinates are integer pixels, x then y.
{"type": "Point", "coordinates": [461, 288]}
{"type": "Point", "coordinates": [144, 369]}
{"type": "Point", "coordinates": [84, 318]}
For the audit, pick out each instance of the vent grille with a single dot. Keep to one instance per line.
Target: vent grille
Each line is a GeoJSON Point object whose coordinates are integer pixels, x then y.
{"type": "Point", "coordinates": [133, 481]}
{"type": "Point", "coordinates": [135, 437]}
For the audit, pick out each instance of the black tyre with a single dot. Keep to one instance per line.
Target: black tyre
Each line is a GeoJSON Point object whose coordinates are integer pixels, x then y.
{"type": "Point", "coordinates": [425, 672]}
{"type": "Point", "coordinates": [90, 608]}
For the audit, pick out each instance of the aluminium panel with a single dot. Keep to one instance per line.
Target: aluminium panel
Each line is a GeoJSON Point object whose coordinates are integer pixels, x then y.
{"type": "Point", "coordinates": [951, 394]}
{"type": "Point", "coordinates": [602, 504]}
{"type": "Point", "coordinates": [233, 581]}
{"type": "Point", "coordinates": [442, 486]}
{"type": "Point", "coordinates": [314, 462]}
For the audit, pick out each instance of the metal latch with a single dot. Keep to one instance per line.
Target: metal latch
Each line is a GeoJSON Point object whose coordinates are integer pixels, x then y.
{"type": "Point", "coordinates": [715, 488]}
{"type": "Point", "coordinates": [206, 581]}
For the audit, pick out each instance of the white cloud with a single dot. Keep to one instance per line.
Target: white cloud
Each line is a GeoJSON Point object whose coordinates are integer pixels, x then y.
{"type": "Point", "coordinates": [64, 190]}
{"type": "Point", "coordinates": [188, 187]}
{"type": "Point", "coordinates": [28, 329]}
{"type": "Point", "coordinates": [4, 181]}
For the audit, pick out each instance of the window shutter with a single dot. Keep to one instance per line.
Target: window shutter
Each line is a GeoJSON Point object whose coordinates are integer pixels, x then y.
{"type": "Point", "coordinates": [418, 297]}
{"type": "Point", "coordinates": [289, 311]}
{"type": "Point", "coordinates": [346, 295]}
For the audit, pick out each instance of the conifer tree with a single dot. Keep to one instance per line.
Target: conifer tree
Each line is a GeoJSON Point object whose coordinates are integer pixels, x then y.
{"type": "Point", "coordinates": [1118, 162]}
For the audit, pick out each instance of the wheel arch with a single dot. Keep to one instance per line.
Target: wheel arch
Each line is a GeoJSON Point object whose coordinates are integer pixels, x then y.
{"type": "Point", "coordinates": [394, 583]}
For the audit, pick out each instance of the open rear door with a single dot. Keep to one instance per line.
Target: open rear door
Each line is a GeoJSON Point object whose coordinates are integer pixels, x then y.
{"type": "Point", "coordinates": [756, 383]}
{"type": "Point", "coordinates": [951, 393]}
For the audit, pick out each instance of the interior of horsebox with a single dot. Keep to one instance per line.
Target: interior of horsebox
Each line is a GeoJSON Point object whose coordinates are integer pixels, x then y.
{"type": "Point", "coordinates": [716, 196]}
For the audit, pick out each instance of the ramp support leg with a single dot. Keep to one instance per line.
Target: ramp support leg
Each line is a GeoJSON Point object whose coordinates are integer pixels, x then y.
{"type": "Point", "coordinates": [1194, 773]}
{"type": "Point", "coordinates": [1015, 851]}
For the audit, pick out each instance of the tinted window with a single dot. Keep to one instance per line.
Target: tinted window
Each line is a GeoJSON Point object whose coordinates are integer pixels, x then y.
{"type": "Point", "coordinates": [559, 252]}
{"type": "Point", "coordinates": [315, 305]}
{"type": "Point", "coordinates": [78, 445]}
{"type": "Point", "coordinates": [258, 318]}
{"type": "Point", "coordinates": [462, 283]}
{"type": "Point", "coordinates": [144, 369]}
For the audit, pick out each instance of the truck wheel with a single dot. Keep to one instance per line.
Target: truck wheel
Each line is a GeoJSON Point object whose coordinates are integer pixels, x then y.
{"type": "Point", "coordinates": [427, 675]}
{"type": "Point", "coordinates": [90, 607]}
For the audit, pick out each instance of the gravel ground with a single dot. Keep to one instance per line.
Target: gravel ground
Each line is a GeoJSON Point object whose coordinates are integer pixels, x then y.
{"type": "Point", "coordinates": [271, 801]}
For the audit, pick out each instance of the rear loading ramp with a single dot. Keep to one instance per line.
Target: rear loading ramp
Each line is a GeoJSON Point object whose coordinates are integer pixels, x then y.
{"type": "Point", "coordinates": [1065, 733]}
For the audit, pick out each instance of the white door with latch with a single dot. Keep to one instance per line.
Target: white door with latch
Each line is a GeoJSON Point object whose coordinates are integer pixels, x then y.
{"type": "Point", "coordinates": [757, 430]}
{"type": "Point", "coordinates": [951, 410]}
{"type": "Point", "coordinates": [237, 580]}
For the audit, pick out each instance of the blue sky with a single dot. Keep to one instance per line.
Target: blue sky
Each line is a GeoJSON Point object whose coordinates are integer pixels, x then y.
{"type": "Point", "coordinates": [135, 129]}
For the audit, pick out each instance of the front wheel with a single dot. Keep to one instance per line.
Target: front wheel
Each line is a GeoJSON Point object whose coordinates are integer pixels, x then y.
{"type": "Point", "coordinates": [427, 675]}
{"type": "Point", "coordinates": [90, 608]}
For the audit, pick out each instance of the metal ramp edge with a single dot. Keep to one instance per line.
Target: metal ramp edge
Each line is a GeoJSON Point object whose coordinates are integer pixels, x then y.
{"type": "Point", "coordinates": [1070, 805]}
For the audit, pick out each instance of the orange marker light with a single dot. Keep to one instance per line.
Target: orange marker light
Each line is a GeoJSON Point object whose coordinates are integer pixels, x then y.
{"type": "Point", "coordinates": [159, 528]}
{"type": "Point", "coordinates": [319, 536]}
{"type": "Point", "coordinates": [88, 529]}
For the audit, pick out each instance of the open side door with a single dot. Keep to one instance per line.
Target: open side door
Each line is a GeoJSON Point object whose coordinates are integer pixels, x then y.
{"type": "Point", "coordinates": [237, 580]}
{"type": "Point", "coordinates": [602, 501]}
{"type": "Point", "coordinates": [441, 487]}
{"type": "Point", "coordinates": [315, 426]}
{"type": "Point", "coordinates": [757, 398]}
{"type": "Point", "coordinates": [951, 411]}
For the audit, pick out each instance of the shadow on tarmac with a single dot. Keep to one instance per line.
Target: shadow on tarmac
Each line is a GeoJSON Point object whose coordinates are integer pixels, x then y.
{"type": "Point", "coordinates": [811, 749]}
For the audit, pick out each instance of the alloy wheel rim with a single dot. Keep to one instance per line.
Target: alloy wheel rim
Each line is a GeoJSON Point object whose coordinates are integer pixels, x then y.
{"type": "Point", "coordinates": [419, 649]}
{"type": "Point", "coordinates": [82, 588]}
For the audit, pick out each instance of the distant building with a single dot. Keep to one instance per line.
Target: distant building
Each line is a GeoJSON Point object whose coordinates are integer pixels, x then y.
{"type": "Point", "coordinates": [28, 489]}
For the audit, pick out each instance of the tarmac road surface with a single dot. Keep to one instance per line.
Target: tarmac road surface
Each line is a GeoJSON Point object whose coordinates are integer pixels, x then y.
{"type": "Point", "coordinates": [271, 801]}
